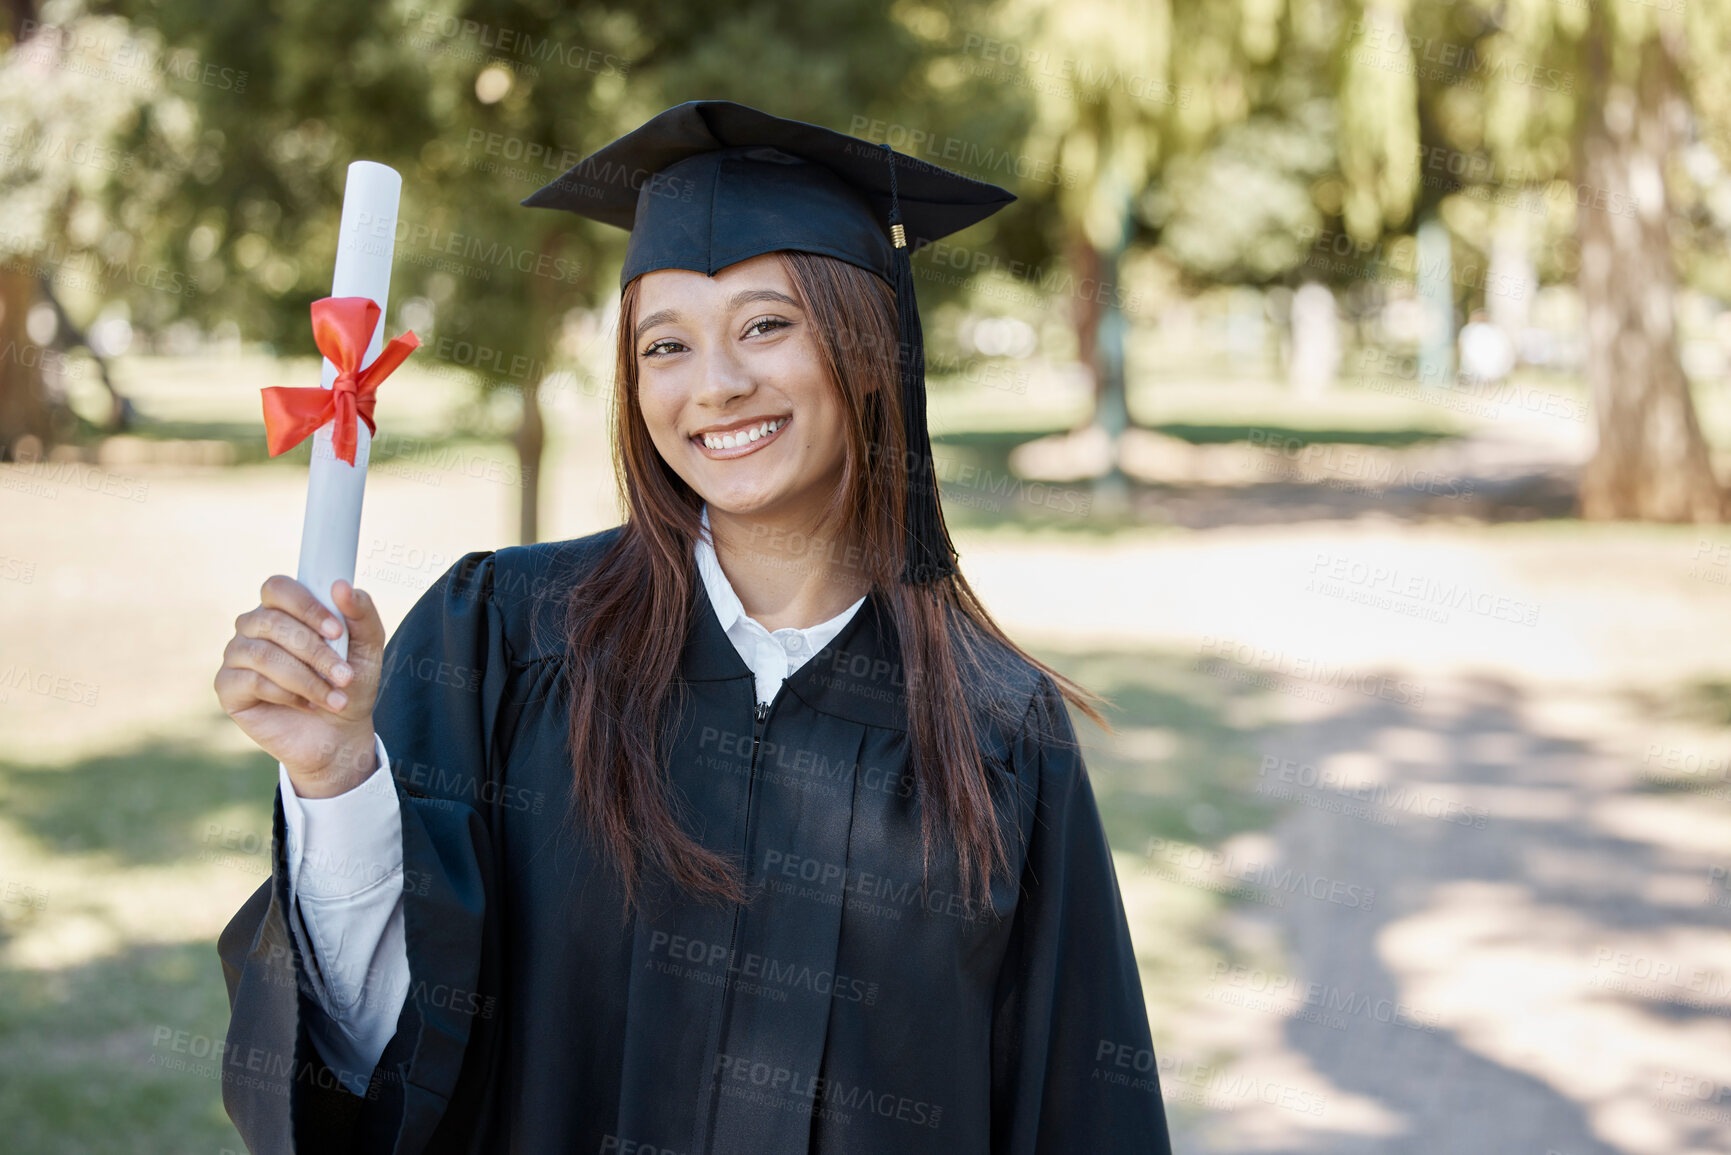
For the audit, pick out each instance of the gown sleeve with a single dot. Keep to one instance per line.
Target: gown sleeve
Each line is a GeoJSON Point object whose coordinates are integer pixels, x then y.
{"type": "Point", "coordinates": [1072, 1055]}
{"type": "Point", "coordinates": [444, 677]}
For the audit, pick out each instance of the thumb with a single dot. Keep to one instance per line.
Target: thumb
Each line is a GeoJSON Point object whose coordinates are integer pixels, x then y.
{"type": "Point", "coordinates": [366, 628]}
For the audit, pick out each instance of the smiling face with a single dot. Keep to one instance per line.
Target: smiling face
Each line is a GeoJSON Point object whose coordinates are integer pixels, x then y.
{"type": "Point", "coordinates": [734, 389]}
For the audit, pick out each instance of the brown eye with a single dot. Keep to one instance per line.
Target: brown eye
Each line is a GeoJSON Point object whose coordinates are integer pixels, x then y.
{"type": "Point", "coordinates": [772, 322]}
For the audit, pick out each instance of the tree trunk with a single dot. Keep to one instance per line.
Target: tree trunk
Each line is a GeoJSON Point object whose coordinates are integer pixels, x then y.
{"type": "Point", "coordinates": [1435, 281]}
{"type": "Point", "coordinates": [1099, 328]}
{"type": "Point", "coordinates": [531, 439]}
{"type": "Point", "coordinates": [1085, 308]}
{"type": "Point", "coordinates": [1651, 462]}
{"type": "Point", "coordinates": [24, 408]}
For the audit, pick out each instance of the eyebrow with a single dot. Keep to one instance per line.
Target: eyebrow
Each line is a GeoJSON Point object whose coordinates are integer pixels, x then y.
{"type": "Point", "coordinates": [742, 297]}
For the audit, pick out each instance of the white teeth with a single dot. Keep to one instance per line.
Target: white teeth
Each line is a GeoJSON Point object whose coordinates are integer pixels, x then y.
{"type": "Point", "coordinates": [742, 436]}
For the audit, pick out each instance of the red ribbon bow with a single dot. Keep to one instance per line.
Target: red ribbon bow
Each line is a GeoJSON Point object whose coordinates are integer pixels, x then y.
{"type": "Point", "coordinates": [342, 329]}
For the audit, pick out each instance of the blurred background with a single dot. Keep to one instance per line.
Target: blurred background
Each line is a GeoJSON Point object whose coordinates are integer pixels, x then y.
{"type": "Point", "coordinates": [1345, 395]}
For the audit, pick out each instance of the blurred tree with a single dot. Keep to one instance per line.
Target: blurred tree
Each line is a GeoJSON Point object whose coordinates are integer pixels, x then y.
{"type": "Point", "coordinates": [58, 150]}
{"type": "Point", "coordinates": [478, 104]}
{"type": "Point", "coordinates": [1592, 104]}
{"type": "Point", "coordinates": [1273, 122]}
{"type": "Point", "coordinates": [472, 104]}
{"type": "Point", "coordinates": [28, 418]}
{"type": "Point", "coordinates": [1652, 461]}
{"type": "Point", "coordinates": [1101, 91]}
{"type": "Point", "coordinates": [1582, 110]}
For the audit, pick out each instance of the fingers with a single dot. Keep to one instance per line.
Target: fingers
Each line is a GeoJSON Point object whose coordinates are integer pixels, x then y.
{"type": "Point", "coordinates": [239, 688]}
{"type": "Point", "coordinates": [276, 664]}
{"type": "Point", "coordinates": [281, 592]}
{"type": "Point", "coordinates": [294, 636]}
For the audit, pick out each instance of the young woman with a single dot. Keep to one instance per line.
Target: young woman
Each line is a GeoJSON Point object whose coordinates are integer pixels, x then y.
{"type": "Point", "coordinates": [739, 827]}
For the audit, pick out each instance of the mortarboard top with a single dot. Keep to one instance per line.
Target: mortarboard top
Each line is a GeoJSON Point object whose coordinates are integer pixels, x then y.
{"type": "Point", "coordinates": [710, 183]}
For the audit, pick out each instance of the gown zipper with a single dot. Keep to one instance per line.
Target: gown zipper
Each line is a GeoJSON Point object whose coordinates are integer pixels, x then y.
{"type": "Point", "coordinates": [759, 715]}
{"type": "Point", "coordinates": [760, 712]}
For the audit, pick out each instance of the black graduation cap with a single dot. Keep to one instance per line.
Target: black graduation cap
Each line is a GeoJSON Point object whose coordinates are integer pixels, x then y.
{"type": "Point", "coordinates": [709, 183]}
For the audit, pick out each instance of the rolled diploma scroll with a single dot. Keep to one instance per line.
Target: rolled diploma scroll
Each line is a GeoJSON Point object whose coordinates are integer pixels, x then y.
{"type": "Point", "coordinates": [331, 530]}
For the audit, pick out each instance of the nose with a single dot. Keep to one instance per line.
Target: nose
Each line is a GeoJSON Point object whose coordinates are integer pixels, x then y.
{"type": "Point", "coordinates": [725, 376]}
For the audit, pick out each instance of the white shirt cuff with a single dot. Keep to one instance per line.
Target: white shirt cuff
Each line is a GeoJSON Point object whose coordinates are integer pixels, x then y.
{"type": "Point", "coordinates": [343, 845]}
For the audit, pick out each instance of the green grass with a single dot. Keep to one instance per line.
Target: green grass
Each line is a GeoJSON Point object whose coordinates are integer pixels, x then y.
{"type": "Point", "coordinates": [82, 1046]}
{"type": "Point", "coordinates": [77, 1049]}
{"type": "Point", "coordinates": [1179, 767]}
{"type": "Point", "coordinates": [146, 806]}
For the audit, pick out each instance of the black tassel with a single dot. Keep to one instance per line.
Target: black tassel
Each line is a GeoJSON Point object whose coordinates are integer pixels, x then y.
{"type": "Point", "coordinates": [931, 556]}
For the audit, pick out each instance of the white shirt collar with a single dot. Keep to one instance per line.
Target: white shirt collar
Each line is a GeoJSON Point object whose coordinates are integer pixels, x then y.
{"type": "Point", "coordinates": [771, 656]}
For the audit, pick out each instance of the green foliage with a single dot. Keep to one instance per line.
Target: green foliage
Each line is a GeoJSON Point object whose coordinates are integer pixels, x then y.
{"type": "Point", "coordinates": [239, 162]}
{"type": "Point", "coordinates": [1242, 209]}
{"type": "Point", "coordinates": [1224, 134]}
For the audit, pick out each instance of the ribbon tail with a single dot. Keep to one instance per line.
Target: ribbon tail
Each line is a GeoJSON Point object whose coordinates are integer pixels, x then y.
{"type": "Point", "coordinates": [395, 352]}
{"type": "Point", "coordinates": [343, 436]}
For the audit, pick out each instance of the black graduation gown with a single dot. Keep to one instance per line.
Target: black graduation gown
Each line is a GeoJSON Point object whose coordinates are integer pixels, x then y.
{"type": "Point", "coordinates": [843, 1009]}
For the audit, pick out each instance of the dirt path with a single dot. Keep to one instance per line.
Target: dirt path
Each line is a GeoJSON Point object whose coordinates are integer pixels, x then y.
{"type": "Point", "coordinates": [1494, 915]}
{"type": "Point", "coordinates": [1545, 964]}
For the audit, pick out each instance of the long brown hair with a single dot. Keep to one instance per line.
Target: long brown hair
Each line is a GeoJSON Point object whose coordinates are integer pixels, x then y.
{"type": "Point", "coordinates": [626, 624]}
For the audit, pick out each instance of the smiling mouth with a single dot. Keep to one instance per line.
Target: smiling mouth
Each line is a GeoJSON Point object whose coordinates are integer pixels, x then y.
{"type": "Point", "coordinates": [740, 442]}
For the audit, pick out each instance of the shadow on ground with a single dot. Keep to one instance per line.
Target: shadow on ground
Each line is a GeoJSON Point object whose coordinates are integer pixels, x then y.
{"type": "Point", "coordinates": [116, 1056]}
{"type": "Point", "coordinates": [119, 1054]}
{"type": "Point", "coordinates": [1523, 890]}
{"type": "Point", "coordinates": [150, 805]}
